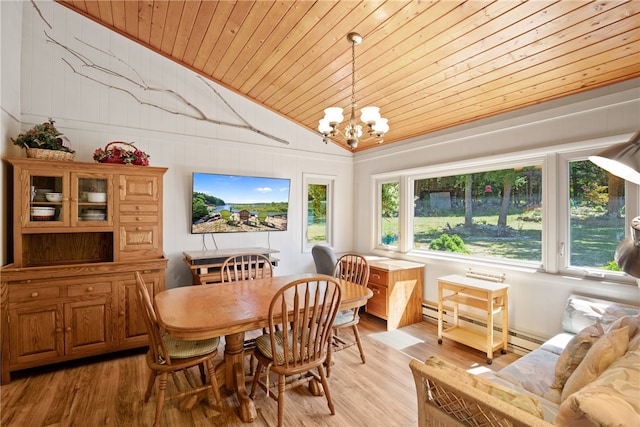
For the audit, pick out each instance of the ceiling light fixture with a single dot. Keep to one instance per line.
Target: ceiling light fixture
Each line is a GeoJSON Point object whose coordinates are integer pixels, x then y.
{"type": "Point", "coordinates": [370, 116]}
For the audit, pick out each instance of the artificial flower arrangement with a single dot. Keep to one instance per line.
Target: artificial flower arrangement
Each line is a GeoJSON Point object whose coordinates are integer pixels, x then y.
{"type": "Point", "coordinates": [43, 141]}
{"type": "Point", "coordinates": [114, 152]}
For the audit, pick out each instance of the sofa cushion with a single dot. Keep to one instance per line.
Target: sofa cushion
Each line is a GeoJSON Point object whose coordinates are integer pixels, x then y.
{"type": "Point", "coordinates": [534, 372]}
{"type": "Point", "coordinates": [611, 400]}
{"type": "Point", "coordinates": [581, 312]}
{"type": "Point", "coordinates": [557, 343]}
{"type": "Point", "coordinates": [525, 402]}
{"type": "Point", "coordinates": [603, 353]}
{"type": "Point", "coordinates": [575, 350]}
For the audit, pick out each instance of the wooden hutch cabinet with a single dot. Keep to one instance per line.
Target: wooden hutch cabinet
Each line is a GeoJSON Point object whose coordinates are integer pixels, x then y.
{"type": "Point", "coordinates": [70, 290]}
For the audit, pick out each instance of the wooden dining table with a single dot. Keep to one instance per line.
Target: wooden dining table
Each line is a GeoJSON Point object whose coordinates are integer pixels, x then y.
{"type": "Point", "coordinates": [231, 309]}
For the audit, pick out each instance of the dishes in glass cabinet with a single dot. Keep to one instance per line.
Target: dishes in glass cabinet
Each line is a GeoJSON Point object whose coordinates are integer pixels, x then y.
{"type": "Point", "coordinates": [41, 194]}
{"type": "Point", "coordinates": [40, 213]}
{"type": "Point", "coordinates": [93, 215]}
{"type": "Point", "coordinates": [96, 197]}
{"type": "Point", "coordinates": [53, 197]}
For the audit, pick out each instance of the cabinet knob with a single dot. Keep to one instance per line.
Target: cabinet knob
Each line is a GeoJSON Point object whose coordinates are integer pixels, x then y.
{"type": "Point", "coordinates": [375, 291]}
{"type": "Point", "coordinates": [122, 313]}
{"type": "Point", "coordinates": [138, 218]}
{"type": "Point", "coordinates": [138, 228]}
{"type": "Point", "coordinates": [90, 289]}
{"type": "Point", "coordinates": [34, 294]}
{"type": "Point", "coordinates": [58, 330]}
{"type": "Point", "coordinates": [137, 208]}
{"type": "Point", "coordinates": [377, 276]}
{"type": "Point", "coordinates": [68, 329]}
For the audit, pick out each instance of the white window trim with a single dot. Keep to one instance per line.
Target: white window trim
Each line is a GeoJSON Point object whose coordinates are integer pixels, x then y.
{"type": "Point", "coordinates": [329, 181]}
{"type": "Point", "coordinates": [555, 195]}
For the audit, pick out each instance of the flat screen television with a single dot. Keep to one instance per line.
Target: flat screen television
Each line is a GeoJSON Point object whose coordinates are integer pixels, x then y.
{"type": "Point", "coordinates": [238, 203]}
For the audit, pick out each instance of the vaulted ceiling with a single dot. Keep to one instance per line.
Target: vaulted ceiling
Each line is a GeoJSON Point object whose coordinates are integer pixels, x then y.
{"type": "Point", "coordinates": [428, 65]}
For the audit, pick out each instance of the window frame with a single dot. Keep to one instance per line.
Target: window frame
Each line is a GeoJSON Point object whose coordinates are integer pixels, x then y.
{"type": "Point", "coordinates": [329, 182]}
{"type": "Point", "coordinates": [555, 227]}
{"type": "Point", "coordinates": [632, 209]}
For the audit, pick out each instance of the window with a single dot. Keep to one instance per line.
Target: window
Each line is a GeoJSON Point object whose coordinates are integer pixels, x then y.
{"type": "Point", "coordinates": [596, 211]}
{"type": "Point", "coordinates": [493, 213]}
{"type": "Point", "coordinates": [317, 210]}
{"type": "Point", "coordinates": [555, 211]}
{"type": "Point", "coordinates": [389, 225]}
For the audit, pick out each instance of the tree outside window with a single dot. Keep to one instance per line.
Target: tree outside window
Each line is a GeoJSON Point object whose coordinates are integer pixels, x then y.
{"type": "Point", "coordinates": [496, 213]}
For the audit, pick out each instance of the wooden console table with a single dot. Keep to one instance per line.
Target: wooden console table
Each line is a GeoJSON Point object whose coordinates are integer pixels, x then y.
{"type": "Point", "coordinates": [488, 296]}
{"type": "Point", "coordinates": [397, 291]}
{"type": "Point", "coordinates": [205, 265]}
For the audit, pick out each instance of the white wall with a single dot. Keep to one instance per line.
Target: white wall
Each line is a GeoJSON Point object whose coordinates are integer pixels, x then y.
{"type": "Point", "coordinates": [92, 115]}
{"type": "Point", "coordinates": [536, 300]}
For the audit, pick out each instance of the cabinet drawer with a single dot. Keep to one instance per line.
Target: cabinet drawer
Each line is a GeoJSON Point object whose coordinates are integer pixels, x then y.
{"type": "Point", "coordinates": [29, 294]}
{"type": "Point", "coordinates": [140, 208]}
{"type": "Point", "coordinates": [141, 218]}
{"type": "Point", "coordinates": [378, 276]}
{"type": "Point", "coordinates": [89, 289]}
{"type": "Point", "coordinates": [377, 304]}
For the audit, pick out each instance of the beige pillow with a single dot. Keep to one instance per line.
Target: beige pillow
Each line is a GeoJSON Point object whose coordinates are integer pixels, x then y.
{"type": "Point", "coordinates": [633, 322]}
{"type": "Point", "coordinates": [609, 401]}
{"type": "Point", "coordinates": [603, 353]}
{"type": "Point", "coordinates": [575, 350]}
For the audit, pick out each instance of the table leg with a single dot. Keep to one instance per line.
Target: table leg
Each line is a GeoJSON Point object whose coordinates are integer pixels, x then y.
{"type": "Point", "coordinates": [234, 375]}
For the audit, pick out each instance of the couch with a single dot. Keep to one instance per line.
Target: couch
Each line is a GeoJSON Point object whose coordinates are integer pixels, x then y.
{"type": "Point", "coordinates": [588, 375]}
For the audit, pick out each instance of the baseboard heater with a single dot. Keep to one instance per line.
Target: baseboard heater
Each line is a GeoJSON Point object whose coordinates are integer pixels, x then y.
{"type": "Point", "coordinates": [518, 342]}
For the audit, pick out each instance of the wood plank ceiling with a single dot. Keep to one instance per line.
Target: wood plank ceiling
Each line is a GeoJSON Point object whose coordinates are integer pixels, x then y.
{"type": "Point", "coordinates": [428, 65]}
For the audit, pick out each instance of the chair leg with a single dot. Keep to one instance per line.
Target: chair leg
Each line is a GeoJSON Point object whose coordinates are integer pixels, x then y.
{"type": "Point", "coordinates": [256, 380]}
{"type": "Point", "coordinates": [152, 380]}
{"type": "Point", "coordinates": [356, 333]}
{"type": "Point", "coordinates": [281, 389]}
{"type": "Point", "coordinates": [325, 386]}
{"type": "Point", "coordinates": [214, 383]}
{"type": "Point", "coordinates": [160, 399]}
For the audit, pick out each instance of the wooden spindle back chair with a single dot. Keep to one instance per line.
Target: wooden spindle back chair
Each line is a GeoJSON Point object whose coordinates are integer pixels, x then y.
{"type": "Point", "coordinates": [167, 355]}
{"type": "Point", "coordinates": [301, 315]}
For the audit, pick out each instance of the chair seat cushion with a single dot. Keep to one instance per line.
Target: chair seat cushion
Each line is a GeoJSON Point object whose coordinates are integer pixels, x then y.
{"type": "Point", "coordinates": [180, 349]}
{"type": "Point", "coordinates": [343, 317]}
{"type": "Point", "coordinates": [263, 344]}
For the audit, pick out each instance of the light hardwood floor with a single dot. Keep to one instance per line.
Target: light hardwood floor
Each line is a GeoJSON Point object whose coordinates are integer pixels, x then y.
{"type": "Point", "coordinates": [108, 390]}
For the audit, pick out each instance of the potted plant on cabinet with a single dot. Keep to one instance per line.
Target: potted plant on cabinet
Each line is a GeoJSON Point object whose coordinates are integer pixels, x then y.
{"type": "Point", "coordinates": [44, 141]}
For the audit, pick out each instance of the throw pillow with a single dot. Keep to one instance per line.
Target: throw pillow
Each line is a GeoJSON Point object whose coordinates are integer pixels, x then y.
{"type": "Point", "coordinates": [633, 322]}
{"type": "Point", "coordinates": [609, 401]}
{"type": "Point", "coordinates": [603, 353]}
{"type": "Point", "coordinates": [575, 350]}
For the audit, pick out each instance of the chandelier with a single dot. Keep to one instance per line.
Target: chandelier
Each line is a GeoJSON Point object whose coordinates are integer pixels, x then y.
{"type": "Point", "coordinates": [370, 116]}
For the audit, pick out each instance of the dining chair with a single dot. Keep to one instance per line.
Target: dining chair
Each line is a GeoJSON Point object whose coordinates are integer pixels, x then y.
{"type": "Point", "coordinates": [168, 355]}
{"type": "Point", "coordinates": [324, 257]}
{"type": "Point", "coordinates": [354, 268]}
{"type": "Point", "coordinates": [301, 315]}
{"type": "Point", "coordinates": [246, 267]}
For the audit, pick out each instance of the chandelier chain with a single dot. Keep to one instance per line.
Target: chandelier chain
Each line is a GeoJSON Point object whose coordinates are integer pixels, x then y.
{"type": "Point", "coordinates": [353, 76]}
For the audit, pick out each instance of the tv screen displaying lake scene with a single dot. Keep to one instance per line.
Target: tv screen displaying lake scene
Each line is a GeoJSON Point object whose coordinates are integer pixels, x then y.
{"type": "Point", "coordinates": [236, 203]}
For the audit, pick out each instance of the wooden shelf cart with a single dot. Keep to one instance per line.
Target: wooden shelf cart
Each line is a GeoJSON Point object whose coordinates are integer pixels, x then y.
{"type": "Point", "coordinates": [488, 296]}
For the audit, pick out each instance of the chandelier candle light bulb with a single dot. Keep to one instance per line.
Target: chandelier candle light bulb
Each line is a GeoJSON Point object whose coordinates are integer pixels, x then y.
{"type": "Point", "coordinates": [370, 116]}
